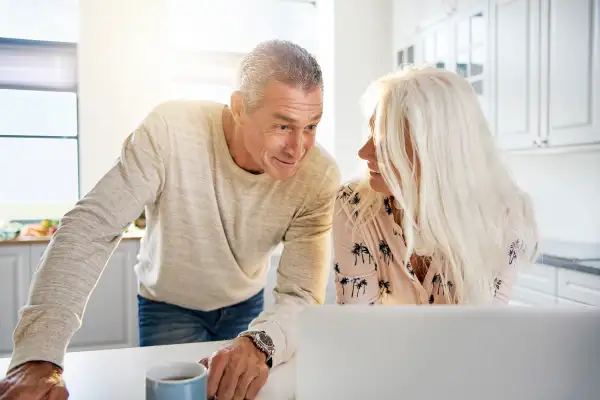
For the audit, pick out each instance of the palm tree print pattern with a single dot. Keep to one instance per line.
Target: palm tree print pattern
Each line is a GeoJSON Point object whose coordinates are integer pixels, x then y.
{"type": "Point", "coordinates": [355, 199]}
{"type": "Point", "coordinates": [497, 283]}
{"type": "Point", "coordinates": [385, 251]}
{"type": "Point", "coordinates": [385, 287]}
{"type": "Point", "coordinates": [515, 247]}
{"type": "Point", "coordinates": [387, 204]}
{"type": "Point", "coordinates": [343, 194]}
{"type": "Point", "coordinates": [358, 284]}
{"type": "Point", "coordinates": [343, 282]}
{"type": "Point", "coordinates": [437, 280]}
{"type": "Point", "coordinates": [411, 271]}
{"type": "Point", "coordinates": [360, 250]}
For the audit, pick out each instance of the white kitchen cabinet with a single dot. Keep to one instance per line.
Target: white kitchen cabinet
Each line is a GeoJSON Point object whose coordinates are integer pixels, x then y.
{"type": "Point", "coordinates": [538, 277]}
{"type": "Point", "coordinates": [536, 63]}
{"type": "Point", "coordinates": [515, 64]}
{"type": "Point", "coordinates": [579, 287]}
{"type": "Point", "coordinates": [15, 273]}
{"type": "Point", "coordinates": [524, 296]}
{"type": "Point", "coordinates": [571, 69]}
{"type": "Point", "coordinates": [110, 319]}
{"type": "Point", "coordinates": [570, 303]}
{"type": "Point", "coordinates": [545, 285]}
{"type": "Point", "coordinates": [458, 42]}
{"type": "Point", "coordinates": [545, 57]}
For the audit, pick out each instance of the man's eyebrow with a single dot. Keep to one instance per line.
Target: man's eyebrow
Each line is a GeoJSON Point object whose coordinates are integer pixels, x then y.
{"type": "Point", "coordinates": [293, 120]}
{"type": "Point", "coordinates": [284, 117]}
{"type": "Point", "coordinates": [317, 117]}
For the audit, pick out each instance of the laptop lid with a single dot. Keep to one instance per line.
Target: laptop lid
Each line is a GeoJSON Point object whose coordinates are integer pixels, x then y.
{"type": "Point", "coordinates": [446, 352]}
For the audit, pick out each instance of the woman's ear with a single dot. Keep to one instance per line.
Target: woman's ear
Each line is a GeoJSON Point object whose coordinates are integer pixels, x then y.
{"type": "Point", "coordinates": [237, 106]}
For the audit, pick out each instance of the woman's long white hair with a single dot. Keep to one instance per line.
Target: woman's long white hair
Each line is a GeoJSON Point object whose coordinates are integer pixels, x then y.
{"type": "Point", "coordinates": [459, 203]}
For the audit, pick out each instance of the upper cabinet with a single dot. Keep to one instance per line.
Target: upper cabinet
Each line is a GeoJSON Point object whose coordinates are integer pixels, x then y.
{"type": "Point", "coordinates": [571, 72]}
{"type": "Point", "coordinates": [459, 43]}
{"type": "Point", "coordinates": [545, 58]}
{"type": "Point", "coordinates": [515, 63]}
{"type": "Point", "coordinates": [535, 65]}
{"type": "Point", "coordinates": [471, 51]}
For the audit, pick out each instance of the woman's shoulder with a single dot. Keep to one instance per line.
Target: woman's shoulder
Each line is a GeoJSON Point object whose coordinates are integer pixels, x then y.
{"type": "Point", "coordinates": [347, 190]}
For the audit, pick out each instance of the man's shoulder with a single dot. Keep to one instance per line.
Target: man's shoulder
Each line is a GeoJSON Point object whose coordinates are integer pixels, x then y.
{"type": "Point", "coordinates": [185, 109]}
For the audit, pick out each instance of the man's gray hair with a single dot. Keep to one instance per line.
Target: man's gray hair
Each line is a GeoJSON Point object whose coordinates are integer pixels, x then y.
{"type": "Point", "coordinates": [278, 60]}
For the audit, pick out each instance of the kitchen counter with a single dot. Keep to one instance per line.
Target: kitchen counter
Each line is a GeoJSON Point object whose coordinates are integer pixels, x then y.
{"type": "Point", "coordinates": [582, 257]}
{"type": "Point", "coordinates": [46, 239]}
{"type": "Point", "coordinates": [120, 374]}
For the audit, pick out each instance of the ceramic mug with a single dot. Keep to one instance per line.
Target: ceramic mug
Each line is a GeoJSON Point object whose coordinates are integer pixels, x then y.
{"type": "Point", "coordinates": [176, 381]}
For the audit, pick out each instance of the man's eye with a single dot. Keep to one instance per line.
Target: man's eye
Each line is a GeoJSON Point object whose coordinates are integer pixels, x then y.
{"type": "Point", "coordinates": [311, 127]}
{"type": "Point", "coordinates": [283, 127]}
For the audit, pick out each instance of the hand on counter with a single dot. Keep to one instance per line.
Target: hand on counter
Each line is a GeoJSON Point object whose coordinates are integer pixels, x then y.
{"type": "Point", "coordinates": [237, 371]}
{"type": "Point", "coordinates": [34, 380]}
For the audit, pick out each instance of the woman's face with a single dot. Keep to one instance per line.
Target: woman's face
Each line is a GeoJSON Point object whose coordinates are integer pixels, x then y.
{"type": "Point", "coordinates": [369, 153]}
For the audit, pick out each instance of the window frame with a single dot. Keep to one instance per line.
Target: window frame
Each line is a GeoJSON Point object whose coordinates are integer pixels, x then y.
{"type": "Point", "coordinates": [52, 45]}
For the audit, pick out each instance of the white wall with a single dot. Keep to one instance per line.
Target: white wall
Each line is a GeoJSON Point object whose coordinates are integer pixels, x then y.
{"type": "Point", "coordinates": [566, 192]}
{"type": "Point", "coordinates": [362, 43]}
{"type": "Point", "coordinates": [121, 75]}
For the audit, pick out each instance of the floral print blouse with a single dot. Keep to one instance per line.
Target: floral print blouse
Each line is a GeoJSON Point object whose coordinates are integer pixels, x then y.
{"type": "Point", "coordinates": [369, 263]}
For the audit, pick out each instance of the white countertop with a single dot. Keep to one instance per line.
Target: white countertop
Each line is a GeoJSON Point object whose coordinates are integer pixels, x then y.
{"type": "Point", "coordinates": [119, 374]}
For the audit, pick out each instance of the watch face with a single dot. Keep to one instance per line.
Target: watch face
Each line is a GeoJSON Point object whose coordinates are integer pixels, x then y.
{"type": "Point", "coordinates": [266, 339]}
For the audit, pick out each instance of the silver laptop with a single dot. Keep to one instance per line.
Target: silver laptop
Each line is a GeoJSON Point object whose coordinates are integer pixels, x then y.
{"type": "Point", "coordinates": [431, 352]}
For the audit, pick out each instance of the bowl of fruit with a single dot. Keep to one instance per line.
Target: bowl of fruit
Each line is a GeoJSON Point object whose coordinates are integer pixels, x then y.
{"type": "Point", "coordinates": [45, 228]}
{"type": "Point", "coordinates": [9, 230]}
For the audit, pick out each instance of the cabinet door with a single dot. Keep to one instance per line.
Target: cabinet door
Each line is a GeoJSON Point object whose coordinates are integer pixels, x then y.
{"type": "Point", "coordinates": [36, 251]}
{"type": "Point", "coordinates": [579, 287]}
{"type": "Point", "coordinates": [571, 304]}
{"type": "Point", "coordinates": [110, 317]}
{"type": "Point", "coordinates": [572, 56]}
{"type": "Point", "coordinates": [523, 296]}
{"type": "Point", "coordinates": [436, 46]}
{"type": "Point", "coordinates": [515, 59]}
{"type": "Point", "coordinates": [14, 288]}
{"type": "Point", "coordinates": [538, 277]}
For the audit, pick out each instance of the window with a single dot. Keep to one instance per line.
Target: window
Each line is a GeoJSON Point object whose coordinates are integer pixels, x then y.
{"type": "Point", "coordinates": [436, 48]}
{"type": "Point", "coordinates": [471, 51]}
{"type": "Point", "coordinates": [406, 56]}
{"type": "Point", "coordinates": [38, 128]}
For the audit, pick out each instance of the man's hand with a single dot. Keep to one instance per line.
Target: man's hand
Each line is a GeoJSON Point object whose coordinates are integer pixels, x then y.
{"type": "Point", "coordinates": [236, 372]}
{"type": "Point", "coordinates": [34, 380]}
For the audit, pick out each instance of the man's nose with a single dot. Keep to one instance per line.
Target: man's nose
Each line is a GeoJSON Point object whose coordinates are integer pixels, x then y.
{"type": "Point", "coordinates": [295, 145]}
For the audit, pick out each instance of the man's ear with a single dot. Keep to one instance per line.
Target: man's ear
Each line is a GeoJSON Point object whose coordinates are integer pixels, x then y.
{"type": "Point", "coordinates": [237, 106]}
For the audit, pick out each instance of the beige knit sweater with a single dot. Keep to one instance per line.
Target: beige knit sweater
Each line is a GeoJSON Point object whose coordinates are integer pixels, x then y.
{"type": "Point", "coordinates": [210, 229]}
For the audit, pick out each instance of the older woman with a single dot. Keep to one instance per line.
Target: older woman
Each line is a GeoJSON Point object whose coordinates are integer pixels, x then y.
{"type": "Point", "coordinates": [439, 219]}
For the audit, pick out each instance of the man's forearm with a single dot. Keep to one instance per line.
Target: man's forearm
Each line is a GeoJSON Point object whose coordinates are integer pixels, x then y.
{"type": "Point", "coordinates": [61, 287]}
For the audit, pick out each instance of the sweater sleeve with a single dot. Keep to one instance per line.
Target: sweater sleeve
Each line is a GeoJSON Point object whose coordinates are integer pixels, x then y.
{"type": "Point", "coordinates": [87, 235]}
{"type": "Point", "coordinates": [303, 270]}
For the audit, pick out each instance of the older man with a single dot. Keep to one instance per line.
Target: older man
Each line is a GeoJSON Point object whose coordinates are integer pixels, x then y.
{"type": "Point", "coordinates": [221, 186]}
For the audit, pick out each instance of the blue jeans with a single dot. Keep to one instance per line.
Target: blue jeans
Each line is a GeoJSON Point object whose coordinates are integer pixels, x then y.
{"type": "Point", "coordinates": [162, 323]}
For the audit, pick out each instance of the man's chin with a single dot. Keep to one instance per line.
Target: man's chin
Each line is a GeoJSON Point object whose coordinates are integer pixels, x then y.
{"type": "Point", "coordinates": [281, 173]}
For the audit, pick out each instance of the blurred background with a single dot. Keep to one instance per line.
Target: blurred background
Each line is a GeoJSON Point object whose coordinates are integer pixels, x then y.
{"type": "Point", "coordinates": [77, 76]}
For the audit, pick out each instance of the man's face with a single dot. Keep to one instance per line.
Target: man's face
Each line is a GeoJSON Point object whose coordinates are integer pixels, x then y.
{"type": "Point", "coordinates": [281, 130]}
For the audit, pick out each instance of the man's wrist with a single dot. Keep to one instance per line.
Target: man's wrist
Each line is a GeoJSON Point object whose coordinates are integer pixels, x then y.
{"type": "Point", "coordinates": [262, 342]}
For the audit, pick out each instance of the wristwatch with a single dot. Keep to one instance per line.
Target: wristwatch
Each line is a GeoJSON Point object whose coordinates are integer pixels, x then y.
{"type": "Point", "coordinates": [263, 342]}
